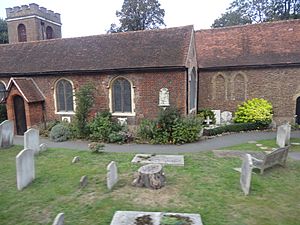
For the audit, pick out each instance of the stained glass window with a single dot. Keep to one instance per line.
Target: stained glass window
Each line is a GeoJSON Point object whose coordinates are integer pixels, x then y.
{"type": "Point", "coordinates": [121, 95]}
{"type": "Point", "coordinates": [64, 96]}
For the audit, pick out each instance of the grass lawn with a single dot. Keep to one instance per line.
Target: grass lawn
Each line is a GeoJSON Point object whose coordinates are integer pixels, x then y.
{"type": "Point", "coordinates": [206, 184]}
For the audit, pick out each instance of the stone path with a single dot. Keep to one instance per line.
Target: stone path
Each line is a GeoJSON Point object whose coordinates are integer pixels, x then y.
{"type": "Point", "coordinates": [202, 145]}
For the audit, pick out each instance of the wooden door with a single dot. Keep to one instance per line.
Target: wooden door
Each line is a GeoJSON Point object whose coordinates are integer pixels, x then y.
{"type": "Point", "coordinates": [20, 115]}
{"type": "Point", "coordinates": [298, 110]}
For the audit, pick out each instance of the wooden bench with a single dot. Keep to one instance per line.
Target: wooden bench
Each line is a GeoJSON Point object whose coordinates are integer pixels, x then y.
{"type": "Point", "coordinates": [277, 156]}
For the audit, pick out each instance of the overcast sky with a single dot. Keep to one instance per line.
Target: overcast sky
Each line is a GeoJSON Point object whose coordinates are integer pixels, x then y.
{"type": "Point", "coordinates": [89, 17]}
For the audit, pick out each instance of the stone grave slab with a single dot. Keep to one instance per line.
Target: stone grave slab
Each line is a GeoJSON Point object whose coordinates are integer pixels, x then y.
{"type": "Point", "coordinates": [217, 116]}
{"type": "Point", "coordinates": [246, 172]}
{"type": "Point", "coordinates": [295, 143]}
{"type": "Point", "coordinates": [83, 181]}
{"type": "Point", "coordinates": [175, 160]}
{"type": "Point", "coordinates": [59, 219]}
{"type": "Point", "coordinates": [6, 134]}
{"type": "Point", "coordinates": [32, 140]}
{"type": "Point", "coordinates": [283, 135]}
{"type": "Point", "coordinates": [226, 117]}
{"type": "Point", "coordinates": [112, 175]}
{"type": "Point", "coordinates": [43, 147]}
{"type": "Point", "coordinates": [154, 218]}
{"type": "Point", "coordinates": [25, 168]}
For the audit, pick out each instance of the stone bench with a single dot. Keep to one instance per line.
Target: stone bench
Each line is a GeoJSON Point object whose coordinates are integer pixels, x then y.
{"type": "Point", "coordinates": [273, 158]}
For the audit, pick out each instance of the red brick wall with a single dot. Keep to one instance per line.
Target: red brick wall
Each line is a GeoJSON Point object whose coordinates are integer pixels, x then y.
{"type": "Point", "coordinates": [278, 85]}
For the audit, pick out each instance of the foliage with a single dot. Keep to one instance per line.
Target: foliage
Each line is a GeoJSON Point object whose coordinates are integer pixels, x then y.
{"type": "Point", "coordinates": [204, 113]}
{"type": "Point", "coordinates": [3, 113]}
{"type": "Point", "coordinates": [60, 132]}
{"type": "Point", "coordinates": [236, 127]}
{"type": "Point", "coordinates": [256, 110]}
{"type": "Point", "coordinates": [84, 101]}
{"type": "Point", "coordinates": [96, 147]}
{"type": "Point", "coordinates": [45, 131]}
{"type": "Point", "coordinates": [146, 129]}
{"type": "Point", "coordinates": [102, 126]}
{"type": "Point", "coordinates": [139, 15]}
{"type": "Point", "coordinates": [167, 118]}
{"type": "Point", "coordinates": [257, 11]}
{"type": "Point", "coordinates": [186, 130]}
{"type": "Point", "coordinates": [175, 220]}
{"type": "Point", "coordinates": [3, 32]}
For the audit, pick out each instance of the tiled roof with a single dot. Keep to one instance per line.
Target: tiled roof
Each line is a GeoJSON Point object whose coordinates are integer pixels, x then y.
{"type": "Point", "coordinates": [130, 50]}
{"type": "Point", "coordinates": [249, 45]}
{"type": "Point", "coordinates": [28, 88]}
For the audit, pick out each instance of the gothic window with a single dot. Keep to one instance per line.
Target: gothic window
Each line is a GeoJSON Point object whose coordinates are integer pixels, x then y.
{"type": "Point", "coordinates": [193, 89]}
{"type": "Point", "coordinates": [22, 33]}
{"type": "Point", "coordinates": [2, 91]}
{"type": "Point", "coordinates": [239, 87]}
{"type": "Point", "coordinates": [121, 96]}
{"type": "Point", "coordinates": [220, 87]}
{"type": "Point", "coordinates": [64, 96]}
{"type": "Point", "coordinates": [49, 33]}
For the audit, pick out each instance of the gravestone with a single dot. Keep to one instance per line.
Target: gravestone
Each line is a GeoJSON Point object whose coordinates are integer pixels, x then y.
{"type": "Point", "coordinates": [217, 116]}
{"type": "Point", "coordinates": [207, 120]}
{"type": "Point", "coordinates": [153, 218]}
{"type": "Point", "coordinates": [283, 135]}
{"type": "Point", "coordinates": [25, 168]}
{"type": "Point", "coordinates": [122, 121]}
{"type": "Point", "coordinates": [32, 140]}
{"type": "Point", "coordinates": [6, 134]}
{"type": "Point", "coordinates": [164, 97]}
{"type": "Point", "coordinates": [175, 160]}
{"type": "Point", "coordinates": [76, 159]}
{"type": "Point", "coordinates": [43, 147]}
{"type": "Point", "coordinates": [59, 219]}
{"type": "Point", "coordinates": [83, 181]}
{"type": "Point", "coordinates": [246, 172]}
{"type": "Point", "coordinates": [112, 175]}
{"type": "Point", "coordinates": [226, 117]}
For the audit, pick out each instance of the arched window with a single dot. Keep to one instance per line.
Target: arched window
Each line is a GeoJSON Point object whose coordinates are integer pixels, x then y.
{"type": "Point", "coordinates": [220, 87]}
{"type": "Point", "coordinates": [49, 33]}
{"type": "Point", "coordinates": [239, 87]}
{"type": "Point", "coordinates": [64, 96]}
{"type": "Point", "coordinates": [22, 33]}
{"type": "Point", "coordinates": [2, 91]}
{"type": "Point", "coordinates": [193, 89]}
{"type": "Point", "coordinates": [121, 96]}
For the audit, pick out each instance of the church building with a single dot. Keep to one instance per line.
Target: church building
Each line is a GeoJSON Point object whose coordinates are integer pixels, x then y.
{"type": "Point", "coordinates": [136, 73]}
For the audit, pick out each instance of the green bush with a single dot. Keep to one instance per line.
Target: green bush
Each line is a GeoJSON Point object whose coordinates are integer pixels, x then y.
{"type": "Point", "coordinates": [59, 133]}
{"type": "Point", "coordinates": [102, 126]}
{"type": "Point", "coordinates": [167, 118]}
{"type": "Point", "coordinates": [3, 113]}
{"type": "Point", "coordinates": [186, 130]}
{"type": "Point", "coordinates": [237, 127]}
{"type": "Point", "coordinates": [45, 131]}
{"type": "Point", "coordinates": [204, 113]}
{"type": "Point", "coordinates": [256, 110]}
{"type": "Point", "coordinates": [146, 129]}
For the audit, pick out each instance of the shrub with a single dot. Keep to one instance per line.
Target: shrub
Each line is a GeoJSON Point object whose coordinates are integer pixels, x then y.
{"type": "Point", "coordinates": [3, 113]}
{"type": "Point", "coordinates": [186, 130]}
{"type": "Point", "coordinates": [146, 129]}
{"type": "Point", "coordinates": [167, 118]}
{"type": "Point", "coordinates": [84, 101]}
{"type": "Point", "coordinates": [96, 147]}
{"type": "Point", "coordinates": [102, 126]}
{"type": "Point", "coordinates": [204, 113]}
{"type": "Point", "coordinates": [256, 110]}
{"type": "Point", "coordinates": [237, 127]}
{"type": "Point", "coordinates": [45, 131]}
{"type": "Point", "coordinates": [59, 133]}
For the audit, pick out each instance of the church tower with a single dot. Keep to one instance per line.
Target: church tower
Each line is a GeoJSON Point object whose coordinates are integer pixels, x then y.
{"type": "Point", "coordinates": [32, 23]}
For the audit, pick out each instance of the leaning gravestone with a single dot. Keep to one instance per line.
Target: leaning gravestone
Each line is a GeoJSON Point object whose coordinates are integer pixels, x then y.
{"type": "Point", "coordinates": [226, 117]}
{"type": "Point", "coordinates": [25, 168]}
{"type": "Point", "coordinates": [246, 172]}
{"type": "Point", "coordinates": [217, 116]}
{"type": "Point", "coordinates": [6, 134]}
{"type": "Point", "coordinates": [283, 135]}
{"type": "Point", "coordinates": [32, 140]}
{"type": "Point", "coordinates": [112, 175]}
{"type": "Point", "coordinates": [59, 219]}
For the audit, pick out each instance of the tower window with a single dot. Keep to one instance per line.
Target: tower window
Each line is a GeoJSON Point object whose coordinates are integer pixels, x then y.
{"type": "Point", "coordinates": [22, 33]}
{"type": "Point", "coordinates": [49, 33]}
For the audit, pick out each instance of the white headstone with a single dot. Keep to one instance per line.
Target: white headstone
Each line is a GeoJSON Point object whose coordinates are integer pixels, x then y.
{"type": "Point", "coordinates": [164, 97]}
{"type": "Point", "coordinates": [59, 219]}
{"type": "Point", "coordinates": [32, 140]}
{"type": "Point", "coordinates": [226, 117]}
{"type": "Point", "coordinates": [83, 181]}
{"type": "Point", "coordinates": [207, 120]}
{"type": "Point", "coordinates": [217, 116]}
{"type": "Point", "coordinates": [6, 134]}
{"type": "Point", "coordinates": [112, 175]}
{"type": "Point", "coordinates": [43, 147]}
{"type": "Point", "coordinates": [246, 172]}
{"type": "Point", "coordinates": [76, 159]}
{"type": "Point", "coordinates": [122, 121]}
{"type": "Point", "coordinates": [25, 168]}
{"type": "Point", "coordinates": [283, 135]}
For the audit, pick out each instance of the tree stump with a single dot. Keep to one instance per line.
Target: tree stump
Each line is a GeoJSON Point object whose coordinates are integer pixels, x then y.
{"type": "Point", "coordinates": [150, 176]}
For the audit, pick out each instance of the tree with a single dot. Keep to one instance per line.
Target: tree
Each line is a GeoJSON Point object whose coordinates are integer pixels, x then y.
{"type": "Point", "coordinates": [257, 11]}
{"type": "Point", "coordinates": [3, 32]}
{"type": "Point", "coordinates": [139, 15]}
